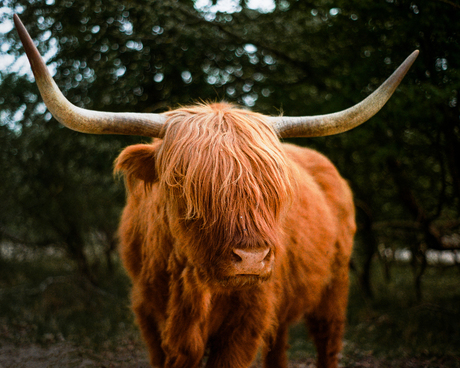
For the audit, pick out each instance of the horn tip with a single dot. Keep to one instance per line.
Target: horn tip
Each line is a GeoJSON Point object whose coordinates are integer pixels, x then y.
{"type": "Point", "coordinates": [17, 22]}
{"type": "Point", "coordinates": [413, 56]}
{"type": "Point", "coordinates": [36, 62]}
{"type": "Point", "coordinates": [22, 31]}
{"type": "Point", "coordinates": [410, 60]}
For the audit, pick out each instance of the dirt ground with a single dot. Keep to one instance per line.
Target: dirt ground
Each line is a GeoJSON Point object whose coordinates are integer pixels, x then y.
{"type": "Point", "coordinates": [67, 355]}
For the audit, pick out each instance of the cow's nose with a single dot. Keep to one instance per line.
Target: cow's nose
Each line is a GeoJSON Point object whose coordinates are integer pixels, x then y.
{"type": "Point", "coordinates": [251, 261]}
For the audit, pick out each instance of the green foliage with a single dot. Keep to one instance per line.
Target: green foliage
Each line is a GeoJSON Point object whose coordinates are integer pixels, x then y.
{"type": "Point", "coordinates": [44, 300]}
{"type": "Point", "coordinates": [394, 325]}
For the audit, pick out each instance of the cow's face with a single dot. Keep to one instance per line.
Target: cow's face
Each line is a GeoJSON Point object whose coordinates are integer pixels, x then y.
{"type": "Point", "coordinates": [225, 184]}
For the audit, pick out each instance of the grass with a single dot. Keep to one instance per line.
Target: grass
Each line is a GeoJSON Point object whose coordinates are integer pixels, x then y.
{"type": "Point", "coordinates": [43, 301]}
{"type": "Point", "coordinates": [394, 324]}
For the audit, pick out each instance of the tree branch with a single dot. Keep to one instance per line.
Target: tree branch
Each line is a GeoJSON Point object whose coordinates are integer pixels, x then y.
{"type": "Point", "coordinates": [302, 66]}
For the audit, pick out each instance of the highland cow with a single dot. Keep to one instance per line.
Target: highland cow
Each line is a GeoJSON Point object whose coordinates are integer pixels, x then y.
{"type": "Point", "coordinates": [229, 236]}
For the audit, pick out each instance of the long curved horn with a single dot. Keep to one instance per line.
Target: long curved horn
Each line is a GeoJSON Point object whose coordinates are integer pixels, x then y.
{"type": "Point", "coordinates": [322, 125]}
{"type": "Point", "coordinates": [81, 120]}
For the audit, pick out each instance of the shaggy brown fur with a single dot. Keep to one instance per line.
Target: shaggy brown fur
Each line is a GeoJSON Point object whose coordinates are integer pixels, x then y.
{"type": "Point", "coordinates": [221, 179]}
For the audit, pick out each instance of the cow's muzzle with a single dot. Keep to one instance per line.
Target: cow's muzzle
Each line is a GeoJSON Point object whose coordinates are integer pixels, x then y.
{"type": "Point", "coordinates": [256, 262]}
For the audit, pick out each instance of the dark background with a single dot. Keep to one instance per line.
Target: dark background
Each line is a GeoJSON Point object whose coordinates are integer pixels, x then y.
{"type": "Point", "coordinates": [59, 203]}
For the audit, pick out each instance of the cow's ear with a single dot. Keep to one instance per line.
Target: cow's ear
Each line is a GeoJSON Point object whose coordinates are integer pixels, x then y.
{"type": "Point", "coordinates": [138, 162]}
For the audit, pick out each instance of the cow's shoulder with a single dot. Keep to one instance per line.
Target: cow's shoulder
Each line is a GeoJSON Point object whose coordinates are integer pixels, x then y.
{"type": "Point", "coordinates": [312, 165]}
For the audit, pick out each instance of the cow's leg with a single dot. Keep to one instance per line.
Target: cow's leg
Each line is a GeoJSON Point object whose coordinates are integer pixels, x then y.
{"type": "Point", "coordinates": [184, 333]}
{"type": "Point", "coordinates": [151, 336]}
{"type": "Point", "coordinates": [236, 349]}
{"type": "Point", "coordinates": [236, 343]}
{"type": "Point", "coordinates": [327, 322]}
{"type": "Point", "coordinates": [275, 351]}
{"type": "Point", "coordinates": [327, 335]}
{"type": "Point", "coordinates": [148, 311]}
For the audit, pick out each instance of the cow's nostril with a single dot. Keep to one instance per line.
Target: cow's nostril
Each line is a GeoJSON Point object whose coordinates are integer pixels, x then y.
{"type": "Point", "coordinates": [267, 257]}
{"type": "Point", "coordinates": [236, 258]}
